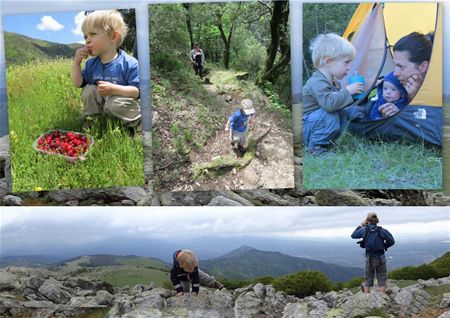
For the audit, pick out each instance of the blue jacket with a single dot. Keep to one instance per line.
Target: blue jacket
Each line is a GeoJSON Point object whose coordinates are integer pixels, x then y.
{"type": "Point", "coordinates": [123, 70]}
{"type": "Point", "coordinates": [400, 103]}
{"type": "Point", "coordinates": [177, 274]}
{"type": "Point", "coordinates": [360, 231]}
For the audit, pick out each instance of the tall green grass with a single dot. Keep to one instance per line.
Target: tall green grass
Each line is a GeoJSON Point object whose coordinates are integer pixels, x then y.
{"type": "Point", "coordinates": [358, 163]}
{"type": "Point", "coordinates": [41, 97]}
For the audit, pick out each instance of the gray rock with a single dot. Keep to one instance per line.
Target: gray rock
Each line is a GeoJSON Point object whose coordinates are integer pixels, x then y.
{"type": "Point", "coordinates": [186, 198]}
{"type": "Point", "coordinates": [259, 290]}
{"type": "Point", "coordinates": [33, 282]}
{"type": "Point", "coordinates": [54, 293]}
{"type": "Point", "coordinates": [72, 203]}
{"type": "Point", "coordinates": [12, 200]}
{"type": "Point", "coordinates": [411, 300]}
{"type": "Point", "coordinates": [228, 98]}
{"type": "Point", "coordinates": [360, 305]}
{"type": "Point", "coordinates": [339, 198]}
{"type": "Point", "coordinates": [445, 315]}
{"type": "Point", "coordinates": [8, 281]}
{"type": "Point", "coordinates": [127, 203]}
{"type": "Point", "coordinates": [265, 197]}
{"type": "Point", "coordinates": [79, 301]}
{"type": "Point", "coordinates": [235, 197]}
{"type": "Point", "coordinates": [222, 201]}
{"type": "Point", "coordinates": [445, 302]}
{"type": "Point", "coordinates": [295, 310]}
{"type": "Point", "coordinates": [103, 298]}
{"type": "Point", "coordinates": [136, 194]}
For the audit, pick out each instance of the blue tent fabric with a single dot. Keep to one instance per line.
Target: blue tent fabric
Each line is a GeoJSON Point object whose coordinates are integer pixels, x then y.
{"type": "Point", "coordinates": [413, 123]}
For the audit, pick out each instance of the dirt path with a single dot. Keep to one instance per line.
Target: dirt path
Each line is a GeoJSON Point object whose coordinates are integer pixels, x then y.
{"type": "Point", "coordinates": [271, 168]}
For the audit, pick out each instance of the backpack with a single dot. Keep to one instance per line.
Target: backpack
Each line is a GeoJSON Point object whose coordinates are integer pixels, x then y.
{"type": "Point", "coordinates": [373, 241]}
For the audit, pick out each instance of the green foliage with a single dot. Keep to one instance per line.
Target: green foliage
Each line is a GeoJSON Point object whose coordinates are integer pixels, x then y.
{"type": "Point", "coordinates": [232, 284]}
{"type": "Point", "coordinates": [395, 165]}
{"type": "Point", "coordinates": [442, 265]}
{"type": "Point", "coordinates": [20, 49]}
{"type": "Point", "coordinates": [352, 283]}
{"type": "Point", "coordinates": [414, 272]}
{"type": "Point", "coordinates": [266, 280]}
{"type": "Point", "coordinates": [323, 18]}
{"type": "Point", "coordinates": [303, 284]}
{"type": "Point", "coordinates": [44, 94]}
{"type": "Point", "coordinates": [436, 269]}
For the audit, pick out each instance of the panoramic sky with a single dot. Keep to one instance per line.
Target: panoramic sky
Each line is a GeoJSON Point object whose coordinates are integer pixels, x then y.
{"type": "Point", "coordinates": [54, 27]}
{"type": "Point", "coordinates": [37, 225]}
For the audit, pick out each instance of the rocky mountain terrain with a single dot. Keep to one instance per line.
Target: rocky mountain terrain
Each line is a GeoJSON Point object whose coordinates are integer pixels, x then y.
{"type": "Point", "coordinates": [34, 292]}
{"type": "Point", "coordinates": [146, 196]}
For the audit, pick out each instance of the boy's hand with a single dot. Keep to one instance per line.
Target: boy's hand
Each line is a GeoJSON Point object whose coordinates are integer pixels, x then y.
{"type": "Point", "coordinates": [81, 54]}
{"type": "Point", "coordinates": [355, 88]}
{"type": "Point", "coordinates": [105, 88]}
{"type": "Point", "coordinates": [388, 109]}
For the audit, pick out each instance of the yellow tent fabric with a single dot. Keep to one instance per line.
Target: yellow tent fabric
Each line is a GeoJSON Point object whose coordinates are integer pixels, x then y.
{"type": "Point", "coordinates": [358, 18]}
{"type": "Point", "coordinates": [401, 19]}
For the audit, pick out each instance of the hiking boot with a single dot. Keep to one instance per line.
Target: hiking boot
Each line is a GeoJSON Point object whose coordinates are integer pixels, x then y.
{"type": "Point", "coordinates": [362, 287]}
{"type": "Point", "coordinates": [319, 151]}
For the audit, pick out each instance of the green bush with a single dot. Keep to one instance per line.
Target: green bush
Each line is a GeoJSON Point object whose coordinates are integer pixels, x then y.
{"type": "Point", "coordinates": [354, 282]}
{"type": "Point", "coordinates": [425, 271]}
{"type": "Point", "coordinates": [303, 284]}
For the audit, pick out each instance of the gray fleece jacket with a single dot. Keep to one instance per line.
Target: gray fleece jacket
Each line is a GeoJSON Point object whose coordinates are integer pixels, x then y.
{"type": "Point", "coordinates": [320, 92]}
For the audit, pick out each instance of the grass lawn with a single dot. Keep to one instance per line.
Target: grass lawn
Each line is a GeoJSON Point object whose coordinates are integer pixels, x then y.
{"type": "Point", "coordinates": [41, 97]}
{"type": "Point", "coordinates": [358, 163]}
{"type": "Point", "coordinates": [120, 276]}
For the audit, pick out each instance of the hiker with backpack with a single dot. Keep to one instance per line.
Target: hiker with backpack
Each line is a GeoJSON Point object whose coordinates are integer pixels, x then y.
{"type": "Point", "coordinates": [197, 59]}
{"type": "Point", "coordinates": [375, 240]}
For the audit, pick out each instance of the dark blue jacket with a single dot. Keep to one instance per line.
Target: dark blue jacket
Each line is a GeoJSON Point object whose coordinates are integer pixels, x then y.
{"type": "Point", "coordinates": [177, 275]}
{"type": "Point", "coordinates": [387, 237]}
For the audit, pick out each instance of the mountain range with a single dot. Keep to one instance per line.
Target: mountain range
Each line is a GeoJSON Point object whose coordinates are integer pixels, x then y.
{"type": "Point", "coordinates": [20, 49]}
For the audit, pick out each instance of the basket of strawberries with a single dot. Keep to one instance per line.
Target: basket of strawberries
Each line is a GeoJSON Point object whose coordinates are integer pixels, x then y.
{"type": "Point", "coordinates": [70, 145]}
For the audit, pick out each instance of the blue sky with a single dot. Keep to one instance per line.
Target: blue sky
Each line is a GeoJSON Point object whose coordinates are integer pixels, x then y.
{"type": "Point", "coordinates": [54, 27]}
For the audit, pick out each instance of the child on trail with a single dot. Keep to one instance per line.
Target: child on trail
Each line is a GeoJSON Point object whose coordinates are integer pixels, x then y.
{"type": "Point", "coordinates": [185, 272]}
{"type": "Point", "coordinates": [238, 123]}
{"type": "Point", "coordinates": [110, 80]}
{"type": "Point", "coordinates": [197, 60]}
{"type": "Point", "coordinates": [389, 91]}
{"type": "Point", "coordinates": [323, 99]}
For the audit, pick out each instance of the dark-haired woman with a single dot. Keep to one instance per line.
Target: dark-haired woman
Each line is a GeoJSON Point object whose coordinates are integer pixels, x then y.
{"type": "Point", "coordinates": [412, 54]}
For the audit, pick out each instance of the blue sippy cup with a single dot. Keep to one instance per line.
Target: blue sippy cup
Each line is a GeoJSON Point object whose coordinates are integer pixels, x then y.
{"type": "Point", "coordinates": [357, 78]}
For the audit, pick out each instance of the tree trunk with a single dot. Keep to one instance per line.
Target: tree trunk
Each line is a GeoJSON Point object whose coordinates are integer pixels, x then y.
{"type": "Point", "coordinates": [187, 7]}
{"type": "Point", "coordinates": [279, 38]}
{"type": "Point", "coordinates": [226, 41]}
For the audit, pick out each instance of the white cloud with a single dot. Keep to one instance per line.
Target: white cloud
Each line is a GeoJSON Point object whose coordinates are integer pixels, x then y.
{"type": "Point", "coordinates": [78, 20]}
{"type": "Point", "coordinates": [49, 24]}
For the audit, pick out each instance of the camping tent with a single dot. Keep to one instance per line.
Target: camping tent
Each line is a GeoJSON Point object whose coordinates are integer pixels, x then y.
{"type": "Point", "coordinates": [373, 30]}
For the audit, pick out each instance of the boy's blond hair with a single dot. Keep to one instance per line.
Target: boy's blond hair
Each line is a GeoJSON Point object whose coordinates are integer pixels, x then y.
{"type": "Point", "coordinates": [330, 46]}
{"type": "Point", "coordinates": [187, 260]}
{"type": "Point", "coordinates": [107, 21]}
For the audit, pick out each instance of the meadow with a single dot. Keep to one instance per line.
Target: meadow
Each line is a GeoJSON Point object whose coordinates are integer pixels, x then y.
{"type": "Point", "coordinates": [41, 97]}
{"type": "Point", "coordinates": [359, 163]}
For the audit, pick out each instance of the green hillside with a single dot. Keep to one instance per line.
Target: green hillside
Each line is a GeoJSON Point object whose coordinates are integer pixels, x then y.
{"type": "Point", "coordinates": [440, 267]}
{"type": "Point", "coordinates": [20, 49]}
{"type": "Point", "coordinates": [246, 263]}
{"type": "Point", "coordinates": [120, 271]}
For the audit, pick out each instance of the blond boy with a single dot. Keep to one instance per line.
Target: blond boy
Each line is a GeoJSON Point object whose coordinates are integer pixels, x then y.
{"type": "Point", "coordinates": [323, 99]}
{"type": "Point", "coordinates": [185, 272]}
{"type": "Point", "coordinates": [110, 80]}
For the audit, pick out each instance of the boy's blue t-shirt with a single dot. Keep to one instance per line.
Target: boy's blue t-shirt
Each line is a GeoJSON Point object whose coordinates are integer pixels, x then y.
{"type": "Point", "coordinates": [238, 121]}
{"type": "Point", "coordinates": [123, 71]}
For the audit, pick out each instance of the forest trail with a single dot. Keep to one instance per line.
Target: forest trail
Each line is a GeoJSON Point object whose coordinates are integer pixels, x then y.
{"type": "Point", "coordinates": [272, 166]}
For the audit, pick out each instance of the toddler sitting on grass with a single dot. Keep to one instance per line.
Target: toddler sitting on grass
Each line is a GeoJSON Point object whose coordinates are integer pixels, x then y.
{"type": "Point", "coordinates": [110, 80]}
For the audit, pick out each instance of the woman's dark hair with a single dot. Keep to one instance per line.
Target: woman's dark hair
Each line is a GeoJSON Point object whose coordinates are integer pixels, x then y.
{"type": "Point", "coordinates": [418, 45]}
{"type": "Point", "coordinates": [196, 44]}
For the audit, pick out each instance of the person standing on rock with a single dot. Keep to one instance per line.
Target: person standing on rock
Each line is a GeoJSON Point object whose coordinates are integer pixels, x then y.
{"type": "Point", "coordinates": [185, 272]}
{"type": "Point", "coordinates": [375, 240]}
{"type": "Point", "coordinates": [197, 59]}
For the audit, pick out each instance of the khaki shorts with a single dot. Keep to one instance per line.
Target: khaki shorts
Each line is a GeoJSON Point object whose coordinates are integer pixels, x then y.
{"type": "Point", "coordinates": [237, 137]}
{"type": "Point", "coordinates": [126, 109]}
